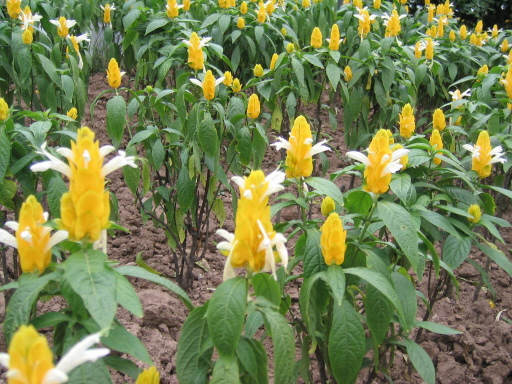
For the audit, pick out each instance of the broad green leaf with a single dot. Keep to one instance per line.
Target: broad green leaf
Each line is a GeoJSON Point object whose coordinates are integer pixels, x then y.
{"type": "Point", "coordinates": [158, 154]}
{"type": "Point", "coordinates": [227, 306]}
{"type": "Point", "coordinates": [50, 319]}
{"type": "Point", "coordinates": [186, 190]}
{"type": "Point", "coordinates": [225, 370]}
{"type": "Point", "coordinates": [265, 285]}
{"type": "Point", "coordinates": [68, 85]}
{"type": "Point", "coordinates": [50, 69]}
{"type": "Point", "coordinates": [439, 221]}
{"type": "Point", "coordinates": [5, 152]}
{"type": "Point", "coordinates": [23, 59]}
{"type": "Point", "coordinates": [335, 278]}
{"type": "Point", "coordinates": [298, 69]}
{"type": "Point", "coordinates": [420, 360]}
{"type": "Point", "coordinates": [497, 256]}
{"type": "Point", "coordinates": [284, 345]}
{"type": "Point", "coordinates": [437, 328]}
{"type": "Point", "coordinates": [157, 23]}
{"type": "Point", "coordinates": [55, 187]}
{"type": "Point", "coordinates": [130, 18]}
{"type": "Point", "coordinates": [378, 314]}
{"type": "Point", "coordinates": [127, 297]}
{"type": "Point", "coordinates": [8, 189]}
{"type": "Point", "coordinates": [191, 367]}
{"type": "Point", "coordinates": [207, 135]}
{"type": "Point", "coordinates": [121, 340]}
{"type": "Point", "coordinates": [456, 250]}
{"type": "Point", "coordinates": [307, 304]}
{"type": "Point", "coordinates": [253, 357]}
{"type": "Point", "coordinates": [400, 185]}
{"type": "Point", "coordinates": [90, 373]}
{"type": "Point", "coordinates": [277, 119]}
{"type": "Point", "coordinates": [122, 365]}
{"type": "Point", "coordinates": [346, 346]}
{"type": "Point", "coordinates": [380, 282]}
{"type": "Point", "coordinates": [388, 73]}
{"type": "Point", "coordinates": [88, 274]}
{"type": "Point", "coordinates": [133, 271]}
{"type": "Point", "coordinates": [401, 225]}
{"type": "Point", "coordinates": [313, 258]}
{"type": "Point", "coordinates": [22, 302]}
{"type": "Point", "coordinates": [325, 187]}
{"type": "Point", "coordinates": [116, 119]}
{"type": "Point", "coordinates": [314, 60]}
{"type": "Point", "coordinates": [358, 202]}
{"type": "Point", "coordinates": [407, 298]}
{"type": "Point", "coordinates": [333, 74]}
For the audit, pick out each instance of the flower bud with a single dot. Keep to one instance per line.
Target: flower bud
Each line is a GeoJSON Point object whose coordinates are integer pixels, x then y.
{"type": "Point", "coordinates": [253, 108]}
{"type": "Point", "coordinates": [475, 212]}
{"type": "Point", "coordinates": [328, 205]}
{"type": "Point", "coordinates": [258, 70]}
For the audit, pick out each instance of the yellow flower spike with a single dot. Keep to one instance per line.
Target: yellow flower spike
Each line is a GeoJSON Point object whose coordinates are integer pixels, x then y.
{"type": "Point", "coordinates": [223, 4]}
{"type": "Point", "coordinates": [452, 36]}
{"type": "Point", "coordinates": [240, 23]}
{"type": "Point", "coordinates": [72, 113]}
{"type": "Point", "coordinates": [509, 106]}
{"type": "Point", "coordinates": [333, 240]}
{"type": "Point", "coordinates": [483, 155]}
{"type": "Point", "coordinates": [365, 22]}
{"type": "Point", "coordinates": [504, 46]}
{"type": "Point", "coordinates": [27, 36]}
{"type": "Point", "coordinates": [438, 120]}
{"type": "Point", "coordinates": [195, 50]}
{"type": "Point", "coordinates": [495, 31]}
{"type": "Point", "coordinates": [63, 26]}
{"type": "Point", "coordinates": [479, 26]}
{"type": "Point", "coordinates": [85, 209]}
{"type": "Point", "coordinates": [509, 60]}
{"type": "Point", "coordinates": [262, 13]}
{"type": "Point", "coordinates": [258, 70]}
{"type": "Point", "coordinates": [429, 49]}
{"type": "Point", "coordinates": [290, 48]}
{"type": "Point", "coordinates": [475, 212]}
{"type": "Point", "coordinates": [418, 49]}
{"type": "Point", "coordinates": [299, 149]}
{"type": "Point", "coordinates": [107, 17]}
{"type": "Point", "coordinates": [376, 4]}
{"type": "Point", "coordinates": [114, 74]}
{"type": "Point", "coordinates": [440, 10]}
{"type": "Point", "coordinates": [380, 163]}
{"type": "Point", "coordinates": [186, 5]}
{"type": "Point", "coordinates": [404, 160]}
{"type": "Point", "coordinates": [430, 13]}
{"type": "Point", "coordinates": [228, 79]}
{"type": "Point", "coordinates": [28, 19]}
{"type": "Point", "coordinates": [253, 243]}
{"type": "Point", "coordinates": [13, 8]}
{"type": "Point", "coordinates": [253, 107]}
{"type": "Point", "coordinates": [273, 61]}
{"type": "Point", "coordinates": [482, 72]}
{"type": "Point", "coordinates": [270, 7]}
{"type": "Point", "coordinates": [306, 3]}
{"type": "Point", "coordinates": [149, 376]}
{"type": "Point", "coordinates": [393, 26]}
{"type": "Point", "coordinates": [237, 87]}
{"type": "Point", "coordinates": [328, 205]}
{"type": "Point", "coordinates": [208, 84]}
{"type": "Point", "coordinates": [284, 32]}
{"type": "Point", "coordinates": [172, 9]}
{"type": "Point", "coordinates": [334, 40]}
{"type": "Point", "coordinates": [407, 121]}
{"type": "Point", "coordinates": [4, 110]}
{"type": "Point", "coordinates": [347, 72]}
{"type": "Point", "coordinates": [243, 8]}
{"type": "Point", "coordinates": [316, 38]}
{"type": "Point", "coordinates": [440, 26]}
{"type": "Point", "coordinates": [30, 360]}
{"type": "Point", "coordinates": [463, 32]}
{"type": "Point", "coordinates": [507, 81]}
{"type": "Point", "coordinates": [437, 143]}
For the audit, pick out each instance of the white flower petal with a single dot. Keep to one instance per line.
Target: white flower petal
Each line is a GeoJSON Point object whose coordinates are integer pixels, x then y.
{"type": "Point", "coordinates": [399, 153]}
{"type": "Point", "coordinates": [358, 156]}
{"type": "Point", "coordinates": [219, 80]}
{"type": "Point", "coordinates": [56, 238]}
{"type": "Point", "coordinates": [80, 353]}
{"type": "Point", "coordinates": [226, 235]}
{"type": "Point", "coordinates": [12, 225]}
{"type": "Point", "coordinates": [197, 82]}
{"type": "Point", "coordinates": [391, 167]}
{"type": "Point", "coordinates": [229, 271]}
{"type": "Point", "coordinates": [106, 149]}
{"type": "Point", "coordinates": [55, 22]}
{"type": "Point", "coordinates": [4, 359]}
{"type": "Point", "coordinates": [118, 162]}
{"type": "Point", "coordinates": [317, 148]}
{"type": "Point", "coordinates": [282, 143]}
{"type": "Point", "coordinates": [55, 376]}
{"type": "Point", "coordinates": [8, 239]}
{"type": "Point", "coordinates": [238, 180]}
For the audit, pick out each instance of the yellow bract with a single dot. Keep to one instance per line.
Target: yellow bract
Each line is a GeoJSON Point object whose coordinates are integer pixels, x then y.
{"type": "Point", "coordinates": [333, 240]}
{"type": "Point", "coordinates": [328, 205]}
{"type": "Point", "coordinates": [404, 160]}
{"type": "Point", "coordinates": [393, 27]}
{"type": "Point", "coordinates": [334, 39]}
{"type": "Point", "coordinates": [429, 48]}
{"type": "Point", "coordinates": [149, 376]}
{"type": "Point", "coordinates": [186, 5]}
{"type": "Point", "coordinates": [85, 209]}
{"type": "Point", "coordinates": [253, 108]}
{"type": "Point", "coordinates": [479, 26]}
{"type": "Point", "coordinates": [240, 23]}
{"type": "Point", "coordinates": [172, 9]}
{"type": "Point", "coordinates": [114, 74]}
{"type": "Point", "coordinates": [452, 35]}
{"type": "Point", "coordinates": [62, 28]}
{"type": "Point", "coordinates": [290, 48]}
{"type": "Point", "coordinates": [195, 52]}
{"type": "Point", "coordinates": [507, 82]}
{"type": "Point", "coordinates": [258, 70]}
{"type": "Point", "coordinates": [29, 356]}
{"type": "Point", "coordinates": [316, 38]}
{"type": "Point", "coordinates": [237, 87]}
{"type": "Point", "coordinates": [463, 32]}
{"type": "Point", "coordinates": [379, 156]}
{"type": "Point", "coordinates": [32, 237]}
{"type": "Point", "coordinates": [13, 8]}
{"type": "Point", "coordinates": [243, 8]}
{"type": "Point", "coordinates": [364, 22]}
{"type": "Point", "coordinates": [484, 155]}
{"type": "Point", "coordinates": [209, 85]}
{"type": "Point", "coordinates": [475, 212]}
{"type": "Point", "coordinates": [437, 143]}
{"type": "Point", "coordinates": [504, 46]}
{"type": "Point", "coordinates": [228, 79]}
{"type": "Point", "coordinates": [273, 61]}
{"type": "Point", "coordinates": [376, 4]}
{"type": "Point", "coordinates": [407, 121]}
{"type": "Point", "coordinates": [298, 164]}
{"type": "Point", "coordinates": [72, 113]}
{"type": "Point", "coordinates": [439, 121]}
{"type": "Point", "coordinates": [347, 73]}
{"type": "Point", "coordinates": [4, 110]}
{"type": "Point", "coordinates": [418, 50]}
{"type": "Point", "coordinates": [262, 13]}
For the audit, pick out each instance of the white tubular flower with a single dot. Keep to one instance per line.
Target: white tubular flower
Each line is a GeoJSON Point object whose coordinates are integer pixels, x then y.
{"type": "Point", "coordinates": [457, 95]}
{"type": "Point", "coordinates": [28, 19]}
{"type": "Point", "coordinates": [203, 42]}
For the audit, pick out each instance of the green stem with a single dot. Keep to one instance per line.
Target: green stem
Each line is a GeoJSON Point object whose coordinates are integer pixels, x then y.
{"type": "Point", "coordinates": [369, 218]}
{"type": "Point", "coordinates": [300, 193]}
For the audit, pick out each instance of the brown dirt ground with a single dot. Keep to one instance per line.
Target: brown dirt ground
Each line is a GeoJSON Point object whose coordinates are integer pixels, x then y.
{"type": "Point", "coordinates": [482, 354]}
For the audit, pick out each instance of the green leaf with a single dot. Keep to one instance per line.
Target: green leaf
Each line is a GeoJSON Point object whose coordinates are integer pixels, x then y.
{"type": "Point", "coordinates": [401, 185]}
{"type": "Point", "coordinates": [90, 373]}
{"type": "Point", "coordinates": [265, 285]}
{"type": "Point", "coordinates": [55, 187]}
{"type": "Point", "coordinates": [158, 153]}
{"type": "Point", "coordinates": [88, 274]}
{"type": "Point", "coordinates": [227, 306]}
{"type": "Point", "coordinates": [8, 189]}
{"type": "Point", "coordinates": [440, 221]}
{"type": "Point", "coordinates": [420, 360]}
{"type": "Point", "coordinates": [325, 187]}
{"type": "Point", "coordinates": [225, 370]}
{"type": "Point", "coordinates": [157, 23]}
{"type": "Point", "coordinates": [437, 328]}
{"type": "Point", "coordinates": [50, 69]}
{"type": "Point", "coordinates": [333, 74]}
{"type": "Point", "coordinates": [283, 343]}
{"type": "Point", "coordinates": [314, 60]}
{"type": "Point", "coordinates": [346, 345]}
{"type": "Point", "coordinates": [298, 69]}
{"type": "Point", "coordinates": [313, 258]}
{"type": "Point", "coordinates": [130, 18]}
{"type": "Point", "coordinates": [186, 190]}
{"type": "Point", "coordinates": [407, 299]}
{"type": "Point", "coordinates": [23, 63]}
{"type": "Point", "coordinates": [127, 297]}
{"type": "Point", "coordinates": [378, 314]}
{"type": "Point", "coordinates": [121, 340]}
{"type": "Point", "coordinates": [380, 282]}
{"type": "Point", "coordinates": [21, 303]}
{"type": "Point", "coordinates": [116, 119]}
{"type": "Point", "coordinates": [358, 202]}
{"type": "Point", "coordinates": [50, 319]}
{"type": "Point", "coordinates": [191, 366]}
{"type": "Point", "coordinates": [253, 357]}
{"type": "Point", "coordinates": [133, 271]}
{"type": "Point", "coordinates": [401, 225]}
{"type": "Point", "coordinates": [335, 278]}
{"type": "Point", "coordinates": [5, 153]}
{"type": "Point", "coordinates": [122, 365]}
{"type": "Point", "coordinates": [497, 256]}
{"type": "Point", "coordinates": [456, 250]}
{"type": "Point", "coordinates": [307, 303]}
{"type": "Point", "coordinates": [388, 73]}
{"type": "Point", "coordinates": [207, 135]}
{"type": "Point", "coordinates": [68, 85]}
